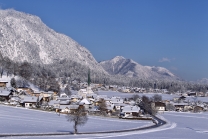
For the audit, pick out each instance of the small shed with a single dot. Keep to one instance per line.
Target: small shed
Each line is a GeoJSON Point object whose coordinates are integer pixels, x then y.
{"type": "Point", "coordinates": [3, 83]}
{"type": "Point", "coordinates": [5, 94]}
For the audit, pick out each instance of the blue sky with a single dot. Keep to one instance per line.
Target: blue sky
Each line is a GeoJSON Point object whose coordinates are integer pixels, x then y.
{"type": "Point", "coordinates": [168, 33]}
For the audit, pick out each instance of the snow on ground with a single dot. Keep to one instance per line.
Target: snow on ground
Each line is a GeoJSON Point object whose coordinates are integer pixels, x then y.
{"type": "Point", "coordinates": [164, 96]}
{"type": "Point", "coordinates": [8, 79]}
{"type": "Point", "coordinates": [127, 95]}
{"type": "Point", "coordinates": [21, 120]}
{"type": "Point", "coordinates": [180, 126]}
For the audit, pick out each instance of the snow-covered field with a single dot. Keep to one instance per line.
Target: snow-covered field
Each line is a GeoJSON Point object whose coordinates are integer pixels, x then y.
{"type": "Point", "coordinates": [127, 95]}
{"type": "Point", "coordinates": [164, 96]}
{"type": "Point", "coordinates": [21, 120]}
{"type": "Point", "coordinates": [180, 125]}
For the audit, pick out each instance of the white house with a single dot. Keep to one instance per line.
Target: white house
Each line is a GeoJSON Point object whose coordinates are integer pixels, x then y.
{"type": "Point", "coordinates": [67, 108]}
{"type": "Point", "coordinates": [159, 106]}
{"type": "Point", "coordinates": [85, 102]}
{"type": "Point", "coordinates": [64, 95]}
{"type": "Point", "coordinates": [130, 111]}
{"type": "Point", "coordinates": [116, 100]}
{"type": "Point", "coordinates": [29, 101]}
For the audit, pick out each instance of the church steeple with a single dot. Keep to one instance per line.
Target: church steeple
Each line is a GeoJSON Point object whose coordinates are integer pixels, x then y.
{"type": "Point", "coordinates": [88, 79]}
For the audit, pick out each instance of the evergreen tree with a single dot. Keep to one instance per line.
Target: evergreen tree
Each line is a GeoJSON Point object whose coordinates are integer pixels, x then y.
{"type": "Point", "coordinates": [67, 90]}
{"type": "Point", "coordinates": [13, 83]}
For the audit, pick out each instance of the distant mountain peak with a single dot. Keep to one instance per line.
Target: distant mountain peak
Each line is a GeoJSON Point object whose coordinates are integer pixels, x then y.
{"type": "Point", "coordinates": [203, 81]}
{"type": "Point", "coordinates": [128, 67]}
{"type": "Point", "coordinates": [117, 58]}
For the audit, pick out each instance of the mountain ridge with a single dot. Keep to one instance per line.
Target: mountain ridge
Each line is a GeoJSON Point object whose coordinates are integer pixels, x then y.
{"type": "Point", "coordinates": [24, 37]}
{"type": "Point", "coordinates": [127, 67]}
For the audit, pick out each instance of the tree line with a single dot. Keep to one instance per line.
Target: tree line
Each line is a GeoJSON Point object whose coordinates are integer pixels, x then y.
{"type": "Point", "coordinates": [48, 76]}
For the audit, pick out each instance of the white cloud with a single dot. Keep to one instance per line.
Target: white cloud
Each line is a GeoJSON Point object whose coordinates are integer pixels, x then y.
{"type": "Point", "coordinates": [164, 59]}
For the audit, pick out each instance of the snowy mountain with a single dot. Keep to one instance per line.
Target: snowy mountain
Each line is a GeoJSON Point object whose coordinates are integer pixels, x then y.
{"type": "Point", "coordinates": [202, 81]}
{"type": "Point", "coordinates": [127, 67]}
{"type": "Point", "coordinates": [24, 37]}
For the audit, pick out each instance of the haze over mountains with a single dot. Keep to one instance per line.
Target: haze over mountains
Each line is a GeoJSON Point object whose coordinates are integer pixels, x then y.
{"type": "Point", "coordinates": [24, 37]}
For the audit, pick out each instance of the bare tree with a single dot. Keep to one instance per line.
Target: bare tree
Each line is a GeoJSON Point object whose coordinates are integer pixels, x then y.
{"type": "Point", "coordinates": [135, 97]}
{"type": "Point", "coordinates": [25, 70]}
{"type": "Point", "coordinates": [15, 69]}
{"type": "Point", "coordinates": [145, 104]}
{"type": "Point", "coordinates": [67, 90]}
{"type": "Point", "coordinates": [102, 107]}
{"type": "Point", "coordinates": [170, 107]}
{"type": "Point", "coordinates": [8, 65]}
{"type": "Point", "coordinates": [196, 109]}
{"type": "Point", "coordinates": [78, 117]}
{"type": "Point", "coordinates": [157, 98]}
{"type": "Point", "coordinates": [1, 70]}
{"type": "Point", "coordinates": [53, 85]}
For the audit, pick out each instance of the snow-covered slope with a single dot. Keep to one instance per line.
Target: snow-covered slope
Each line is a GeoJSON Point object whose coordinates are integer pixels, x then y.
{"type": "Point", "coordinates": [122, 66]}
{"type": "Point", "coordinates": [203, 81]}
{"type": "Point", "coordinates": [24, 37]}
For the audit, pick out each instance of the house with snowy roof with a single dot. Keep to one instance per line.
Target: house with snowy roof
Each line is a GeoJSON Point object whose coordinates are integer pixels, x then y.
{"type": "Point", "coordinates": [92, 96]}
{"type": "Point", "coordinates": [110, 109]}
{"type": "Point", "coordinates": [94, 110]}
{"type": "Point", "coordinates": [192, 94]}
{"type": "Point", "coordinates": [67, 108]}
{"type": "Point", "coordinates": [63, 98]}
{"type": "Point", "coordinates": [116, 100]}
{"type": "Point", "coordinates": [130, 111]}
{"type": "Point", "coordinates": [14, 100]}
{"type": "Point", "coordinates": [46, 96]}
{"type": "Point", "coordinates": [27, 90]}
{"type": "Point", "coordinates": [29, 101]}
{"type": "Point", "coordinates": [159, 106]}
{"type": "Point", "coordinates": [64, 95]}
{"type": "Point", "coordinates": [84, 92]}
{"type": "Point", "coordinates": [119, 106]}
{"type": "Point", "coordinates": [75, 98]}
{"type": "Point", "coordinates": [85, 103]}
{"type": "Point", "coordinates": [181, 106]}
{"type": "Point", "coordinates": [5, 94]}
{"type": "Point", "coordinates": [3, 83]}
{"type": "Point", "coordinates": [113, 87]}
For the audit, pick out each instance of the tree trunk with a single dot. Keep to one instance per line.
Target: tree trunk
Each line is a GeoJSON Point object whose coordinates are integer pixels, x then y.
{"type": "Point", "coordinates": [75, 128]}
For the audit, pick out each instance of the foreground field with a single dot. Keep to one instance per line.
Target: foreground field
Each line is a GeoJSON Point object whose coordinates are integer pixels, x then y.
{"type": "Point", "coordinates": [20, 120]}
{"type": "Point", "coordinates": [180, 125]}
